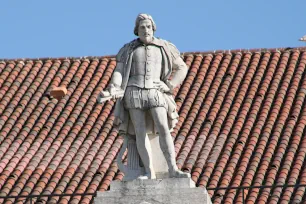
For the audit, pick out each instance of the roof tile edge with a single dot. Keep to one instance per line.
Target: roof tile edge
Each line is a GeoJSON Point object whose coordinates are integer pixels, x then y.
{"type": "Point", "coordinates": [303, 48]}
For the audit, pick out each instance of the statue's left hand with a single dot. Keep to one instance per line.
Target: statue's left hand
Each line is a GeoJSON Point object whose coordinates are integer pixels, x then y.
{"type": "Point", "coordinates": [162, 87]}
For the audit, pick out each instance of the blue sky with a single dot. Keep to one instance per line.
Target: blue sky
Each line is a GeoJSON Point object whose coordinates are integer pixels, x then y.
{"type": "Point", "coordinates": [73, 28]}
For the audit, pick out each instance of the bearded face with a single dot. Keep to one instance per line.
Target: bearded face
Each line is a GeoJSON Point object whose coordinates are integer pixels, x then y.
{"type": "Point", "coordinates": [145, 31]}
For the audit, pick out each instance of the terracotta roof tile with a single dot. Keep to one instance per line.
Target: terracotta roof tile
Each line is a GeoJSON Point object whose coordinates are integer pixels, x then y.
{"type": "Point", "coordinates": [242, 122]}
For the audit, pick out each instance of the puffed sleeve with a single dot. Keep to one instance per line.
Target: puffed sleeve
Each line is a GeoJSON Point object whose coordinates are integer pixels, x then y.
{"type": "Point", "coordinates": [120, 54]}
{"type": "Point", "coordinates": [118, 72]}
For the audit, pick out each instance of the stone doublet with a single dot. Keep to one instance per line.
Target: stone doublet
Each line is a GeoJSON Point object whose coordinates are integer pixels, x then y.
{"type": "Point", "coordinates": [146, 66]}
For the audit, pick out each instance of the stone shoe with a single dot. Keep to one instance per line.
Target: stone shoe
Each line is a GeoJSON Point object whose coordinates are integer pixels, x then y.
{"type": "Point", "coordinates": [179, 174]}
{"type": "Point", "coordinates": [143, 177]}
{"type": "Point", "coordinates": [146, 176]}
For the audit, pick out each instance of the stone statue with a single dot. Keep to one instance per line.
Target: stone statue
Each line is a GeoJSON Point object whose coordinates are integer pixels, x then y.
{"type": "Point", "coordinates": [141, 83]}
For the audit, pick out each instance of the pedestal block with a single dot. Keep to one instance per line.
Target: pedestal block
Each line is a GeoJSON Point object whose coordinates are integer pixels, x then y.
{"type": "Point", "coordinates": [159, 191]}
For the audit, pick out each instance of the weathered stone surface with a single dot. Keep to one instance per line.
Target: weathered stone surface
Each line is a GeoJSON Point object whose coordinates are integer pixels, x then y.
{"type": "Point", "coordinates": [139, 184]}
{"type": "Point", "coordinates": [166, 191]}
{"type": "Point", "coordinates": [159, 162]}
{"type": "Point", "coordinates": [146, 104]}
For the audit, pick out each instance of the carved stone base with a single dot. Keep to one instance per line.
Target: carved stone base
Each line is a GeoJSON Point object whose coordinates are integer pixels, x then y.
{"type": "Point", "coordinates": [166, 191]}
{"type": "Point", "coordinates": [134, 168]}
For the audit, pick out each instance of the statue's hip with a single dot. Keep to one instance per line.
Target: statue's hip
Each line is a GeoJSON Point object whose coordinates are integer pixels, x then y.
{"type": "Point", "coordinates": [142, 98]}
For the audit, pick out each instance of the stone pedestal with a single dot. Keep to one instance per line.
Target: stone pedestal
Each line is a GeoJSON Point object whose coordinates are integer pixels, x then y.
{"type": "Point", "coordinates": [159, 191]}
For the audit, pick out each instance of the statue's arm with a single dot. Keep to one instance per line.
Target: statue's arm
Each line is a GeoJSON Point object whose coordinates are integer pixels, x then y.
{"type": "Point", "coordinates": [114, 88]}
{"type": "Point", "coordinates": [180, 68]}
{"type": "Point", "coordinates": [116, 80]}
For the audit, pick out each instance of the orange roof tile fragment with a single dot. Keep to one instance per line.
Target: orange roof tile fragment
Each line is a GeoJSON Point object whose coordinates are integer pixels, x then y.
{"type": "Point", "coordinates": [58, 92]}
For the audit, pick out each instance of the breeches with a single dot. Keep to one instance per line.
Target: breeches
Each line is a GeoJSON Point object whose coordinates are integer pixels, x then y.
{"type": "Point", "coordinates": [143, 98]}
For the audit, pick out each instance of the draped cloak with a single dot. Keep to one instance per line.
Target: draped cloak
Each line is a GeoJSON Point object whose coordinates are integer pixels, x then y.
{"type": "Point", "coordinates": [125, 56]}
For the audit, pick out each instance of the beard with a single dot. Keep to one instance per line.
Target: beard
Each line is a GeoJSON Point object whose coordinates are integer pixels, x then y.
{"type": "Point", "coordinates": [146, 39]}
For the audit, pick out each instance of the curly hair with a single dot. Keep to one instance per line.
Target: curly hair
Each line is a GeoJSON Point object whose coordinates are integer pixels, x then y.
{"type": "Point", "coordinates": [141, 17]}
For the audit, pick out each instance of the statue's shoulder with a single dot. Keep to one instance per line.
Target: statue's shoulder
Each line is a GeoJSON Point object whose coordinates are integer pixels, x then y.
{"type": "Point", "coordinates": [124, 51]}
{"type": "Point", "coordinates": [171, 47]}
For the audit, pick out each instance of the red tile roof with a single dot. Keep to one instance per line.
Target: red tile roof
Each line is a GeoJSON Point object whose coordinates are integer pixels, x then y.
{"type": "Point", "coordinates": [242, 122]}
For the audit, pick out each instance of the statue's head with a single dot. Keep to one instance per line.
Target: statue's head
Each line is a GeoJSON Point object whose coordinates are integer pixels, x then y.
{"type": "Point", "coordinates": [144, 27]}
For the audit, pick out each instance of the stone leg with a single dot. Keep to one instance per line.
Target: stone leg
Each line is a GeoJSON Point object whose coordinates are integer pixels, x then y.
{"type": "Point", "coordinates": [143, 142]}
{"type": "Point", "coordinates": [159, 115]}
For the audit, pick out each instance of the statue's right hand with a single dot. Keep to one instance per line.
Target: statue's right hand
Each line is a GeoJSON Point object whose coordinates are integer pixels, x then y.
{"type": "Point", "coordinates": [113, 91]}
{"type": "Point", "coordinates": [111, 88]}
{"type": "Point", "coordinates": [103, 96]}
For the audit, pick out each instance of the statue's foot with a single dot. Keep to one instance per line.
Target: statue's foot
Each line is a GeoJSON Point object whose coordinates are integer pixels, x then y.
{"type": "Point", "coordinates": [143, 177]}
{"type": "Point", "coordinates": [146, 176]}
{"type": "Point", "coordinates": [179, 174]}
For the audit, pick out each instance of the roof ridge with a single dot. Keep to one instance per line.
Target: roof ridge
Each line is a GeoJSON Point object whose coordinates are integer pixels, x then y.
{"type": "Point", "coordinates": [247, 50]}
{"type": "Point", "coordinates": [244, 50]}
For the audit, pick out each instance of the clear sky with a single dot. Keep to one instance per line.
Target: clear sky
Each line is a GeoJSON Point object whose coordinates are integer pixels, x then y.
{"type": "Point", "coordinates": [74, 28]}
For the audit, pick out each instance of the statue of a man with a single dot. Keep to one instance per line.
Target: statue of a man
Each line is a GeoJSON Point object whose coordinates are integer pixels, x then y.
{"type": "Point", "coordinates": [143, 74]}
